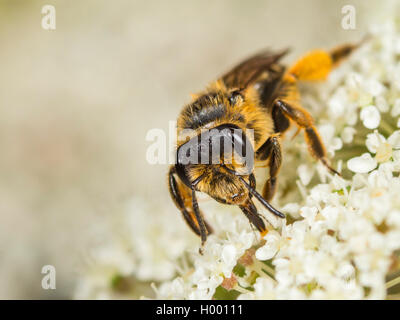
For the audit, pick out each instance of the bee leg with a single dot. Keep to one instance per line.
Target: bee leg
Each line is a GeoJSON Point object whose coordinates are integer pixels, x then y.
{"type": "Point", "coordinates": [305, 121]}
{"type": "Point", "coordinates": [250, 211]}
{"type": "Point", "coordinates": [281, 121]}
{"type": "Point", "coordinates": [200, 221]}
{"type": "Point", "coordinates": [340, 53]}
{"type": "Point", "coordinates": [182, 197]}
{"type": "Point", "coordinates": [271, 150]}
{"type": "Point", "coordinates": [317, 64]}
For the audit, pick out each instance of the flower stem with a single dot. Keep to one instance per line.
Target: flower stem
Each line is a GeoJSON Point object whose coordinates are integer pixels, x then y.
{"type": "Point", "coordinates": [393, 282]}
{"type": "Point", "coordinates": [359, 142]}
{"type": "Point", "coordinates": [240, 289]}
{"type": "Point", "coordinates": [262, 268]}
{"type": "Point", "coordinates": [386, 127]}
{"type": "Point", "coordinates": [268, 269]}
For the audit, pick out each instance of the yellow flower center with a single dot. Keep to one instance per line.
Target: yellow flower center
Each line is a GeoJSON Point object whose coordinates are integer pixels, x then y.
{"type": "Point", "coordinates": [384, 152]}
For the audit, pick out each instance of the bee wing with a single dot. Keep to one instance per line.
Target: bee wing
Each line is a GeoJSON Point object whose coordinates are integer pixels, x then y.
{"type": "Point", "coordinates": [248, 71]}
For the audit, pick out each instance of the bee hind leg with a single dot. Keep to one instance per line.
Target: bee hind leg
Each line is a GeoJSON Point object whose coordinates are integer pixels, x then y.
{"type": "Point", "coordinates": [317, 64]}
{"type": "Point", "coordinates": [185, 200]}
{"type": "Point", "coordinates": [305, 121]}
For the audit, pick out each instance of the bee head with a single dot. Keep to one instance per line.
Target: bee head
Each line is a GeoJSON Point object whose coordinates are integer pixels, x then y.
{"type": "Point", "coordinates": [207, 161]}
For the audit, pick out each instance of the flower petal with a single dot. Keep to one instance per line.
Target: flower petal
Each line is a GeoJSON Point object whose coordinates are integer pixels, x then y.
{"type": "Point", "coordinates": [362, 164]}
{"type": "Point", "coordinates": [370, 117]}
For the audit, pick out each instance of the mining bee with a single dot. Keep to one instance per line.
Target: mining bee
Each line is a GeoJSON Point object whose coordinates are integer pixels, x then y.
{"type": "Point", "coordinates": [259, 94]}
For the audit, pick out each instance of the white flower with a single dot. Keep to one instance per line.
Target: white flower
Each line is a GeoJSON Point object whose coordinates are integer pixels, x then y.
{"type": "Point", "coordinates": [394, 139]}
{"type": "Point", "coordinates": [264, 289]}
{"type": "Point", "coordinates": [362, 164]}
{"type": "Point", "coordinates": [382, 104]}
{"type": "Point", "coordinates": [293, 209]}
{"type": "Point", "coordinates": [327, 132]}
{"type": "Point", "coordinates": [305, 173]}
{"type": "Point", "coordinates": [374, 140]}
{"type": "Point", "coordinates": [107, 262]}
{"type": "Point", "coordinates": [370, 117]}
{"type": "Point", "coordinates": [395, 109]}
{"type": "Point", "coordinates": [377, 143]}
{"type": "Point", "coordinates": [373, 86]}
{"type": "Point", "coordinates": [271, 246]}
{"type": "Point", "coordinates": [228, 256]}
{"type": "Point", "coordinates": [346, 271]}
{"type": "Point", "coordinates": [348, 134]}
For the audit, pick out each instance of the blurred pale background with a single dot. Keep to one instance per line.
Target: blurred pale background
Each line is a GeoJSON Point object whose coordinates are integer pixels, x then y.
{"type": "Point", "coordinates": [76, 104]}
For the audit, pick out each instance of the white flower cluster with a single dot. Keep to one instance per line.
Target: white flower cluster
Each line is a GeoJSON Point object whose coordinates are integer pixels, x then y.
{"type": "Point", "coordinates": [344, 245]}
{"type": "Point", "coordinates": [221, 253]}
{"type": "Point", "coordinates": [341, 238]}
{"type": "Point", "coordinates": [140, 248]}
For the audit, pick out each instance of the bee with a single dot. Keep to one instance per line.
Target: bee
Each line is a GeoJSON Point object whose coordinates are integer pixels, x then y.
{"type": "Point", "coordinates": [260, 95]}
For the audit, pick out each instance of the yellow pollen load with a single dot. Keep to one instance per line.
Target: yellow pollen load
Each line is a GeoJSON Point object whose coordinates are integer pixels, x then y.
{"type": "Point", "coordinates": [314, 66]}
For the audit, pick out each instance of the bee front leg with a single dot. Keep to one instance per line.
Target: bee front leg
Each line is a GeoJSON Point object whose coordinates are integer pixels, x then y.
{"type": "Point", "coordinates": [200, 221]}
{"type": "Point", "coordinates": [271, 150]}
{"type": "Point", "coordinates": [250, 211]}
{"type": "Point", "coordinates": [186, 202]}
